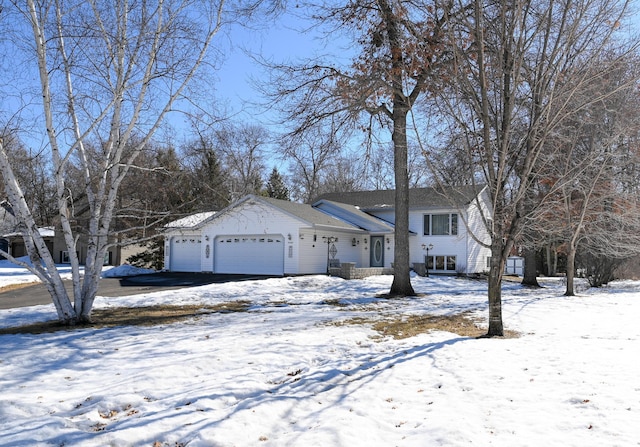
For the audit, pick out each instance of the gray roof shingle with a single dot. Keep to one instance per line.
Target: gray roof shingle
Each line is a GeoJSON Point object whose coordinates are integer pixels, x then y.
{"type": "Point", "coordinates": [307, 213]}
{"type": "Point", "coordinates": [418, 197]}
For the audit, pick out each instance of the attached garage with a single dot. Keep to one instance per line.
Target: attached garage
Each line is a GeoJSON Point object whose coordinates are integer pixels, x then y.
{"type": "Point", "coordinates": [185, 253]}
{"type": "Point", "coordinates": [260, 236]}
{"type": "Point", "coordinates": [249, 254]}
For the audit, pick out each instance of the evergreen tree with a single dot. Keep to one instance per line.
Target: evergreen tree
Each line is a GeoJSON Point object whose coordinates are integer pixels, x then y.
{"type": "Point", "coordinates": [276, 187]}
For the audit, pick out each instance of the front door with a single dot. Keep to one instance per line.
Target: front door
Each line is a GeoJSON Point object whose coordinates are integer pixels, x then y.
{"type": "Point", "coordinates": [377, 251]}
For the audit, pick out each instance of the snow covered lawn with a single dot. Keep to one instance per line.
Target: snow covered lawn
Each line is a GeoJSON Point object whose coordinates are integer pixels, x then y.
{"type": "Point", "coordinates": [287, 373]}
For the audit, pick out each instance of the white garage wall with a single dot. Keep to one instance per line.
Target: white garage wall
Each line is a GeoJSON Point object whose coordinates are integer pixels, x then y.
{"type": "Point", "coordinates": [314, 251]}
{"type": "Point", "coordinates": [254, 219]}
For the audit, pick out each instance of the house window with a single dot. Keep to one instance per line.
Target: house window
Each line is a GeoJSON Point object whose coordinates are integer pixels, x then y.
{"type": "Point", "coordinates": [428, 260]}
{"type": "Point", "coordinates": [440, 224]}
{"type": "Point", "coordinates": [451, 263]}
{"type": "Point", "coordinates": [443, 263]}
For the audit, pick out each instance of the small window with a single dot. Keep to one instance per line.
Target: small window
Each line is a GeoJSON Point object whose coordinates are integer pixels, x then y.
{"type": "Point", "coordinates": [451, 263]}
{"type": "Point", "coordinates": [443, 263]}
{"type": "Point", "coordinates": [440, 224]}
{"type": "Point", "coordinates": [428, 260]}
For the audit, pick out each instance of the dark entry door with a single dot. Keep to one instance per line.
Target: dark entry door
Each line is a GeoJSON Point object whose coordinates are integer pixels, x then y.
{"type": "Point", "coordinates": [377, 251]}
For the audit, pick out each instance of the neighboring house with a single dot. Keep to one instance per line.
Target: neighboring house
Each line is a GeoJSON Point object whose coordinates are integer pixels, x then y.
{"type": "Point", "coordinates": [61, 254]}
{"type": "Point", "coordinates": [13, 243]}
{"type": "Point", "coordinates": [259, 235]}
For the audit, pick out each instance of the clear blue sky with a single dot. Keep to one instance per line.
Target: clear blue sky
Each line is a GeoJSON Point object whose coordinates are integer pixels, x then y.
{"type": "Point", "coordinates": [282, 41]}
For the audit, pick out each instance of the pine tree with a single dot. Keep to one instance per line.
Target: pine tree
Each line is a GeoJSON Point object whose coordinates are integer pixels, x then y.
{"type": "Point", "coordinates": [276, 187]}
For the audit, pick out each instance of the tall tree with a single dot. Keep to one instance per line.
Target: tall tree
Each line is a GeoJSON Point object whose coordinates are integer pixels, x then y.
{"type": "Point", "coordinates": [106, 71]}
{"type": "Point", "coordinates": [400, 45]}
{"type": "Point", "coordinates": [242, 151]}
{"type": "Point", "coordinates": [209, 189]}
{"type": "Point", "coordinates": [309, 155]}
{"type": "Point", "coordinates": [276, 187]}
{"type": "Point", "coordinates": [518, 65]}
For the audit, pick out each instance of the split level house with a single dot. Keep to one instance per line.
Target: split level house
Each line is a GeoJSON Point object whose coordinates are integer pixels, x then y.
{"type": "Point", "coordinates": [265, 236]}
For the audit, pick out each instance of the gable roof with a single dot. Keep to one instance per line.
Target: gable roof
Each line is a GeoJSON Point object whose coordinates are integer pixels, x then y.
{"type": "Point", "coordinates": [355, 216]}
{"type": "Point", "coordinates": [300, 211]}
{"type": "Point", "coordinates": [306, 213]}
{"type": "Point", "coordinates": [418, 197]}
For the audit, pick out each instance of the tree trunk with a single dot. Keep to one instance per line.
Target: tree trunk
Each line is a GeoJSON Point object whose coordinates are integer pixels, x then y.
{"type": "Point", "coordinates": [132, 70]}
{"type": "Point", "coordinates": [402, 104]}
{"type": "Point", "coordinates": [571, 269]}
{"type": "Point", "coordinates": [42, 265]}
{"type": "Point", "coordinates": [552, 260]}
{"type": "Point", "coordinates": [495, 291]}
{"type": "Point", "coordinates": [530, 268]}
{"type": "Point", "coordinates": [401, 285]}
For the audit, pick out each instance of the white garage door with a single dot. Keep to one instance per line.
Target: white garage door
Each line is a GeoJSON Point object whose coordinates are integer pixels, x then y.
{"type": "Point", "coordinates": [185, 253]}
{"type": "Point", "coordinates": [250, 254]}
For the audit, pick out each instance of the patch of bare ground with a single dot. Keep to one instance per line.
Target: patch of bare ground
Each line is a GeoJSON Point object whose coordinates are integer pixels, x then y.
{"type": "Point", "coordinates": [22, 285]}
{"type": "Point", "coordinates": [133, 316]}
{"type": "Point", "coordinates": [406, 326]}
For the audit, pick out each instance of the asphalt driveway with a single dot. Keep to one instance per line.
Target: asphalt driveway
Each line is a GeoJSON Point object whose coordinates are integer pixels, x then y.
{"type": "Point", "coordinates": [131, 285]}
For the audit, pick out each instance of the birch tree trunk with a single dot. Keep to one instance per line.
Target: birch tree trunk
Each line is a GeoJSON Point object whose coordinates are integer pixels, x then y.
{"type": "Point", "coordinates": [107, 71]}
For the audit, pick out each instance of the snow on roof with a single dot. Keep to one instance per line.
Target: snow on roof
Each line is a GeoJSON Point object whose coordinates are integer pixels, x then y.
{"type": "Point", "coordinates": [44, 232]}
{"type": "Point", "coordinates": [190, 221]}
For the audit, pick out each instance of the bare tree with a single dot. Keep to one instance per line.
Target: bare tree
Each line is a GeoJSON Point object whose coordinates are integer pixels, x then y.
{"type": "Point", "coordinates": [346, 173]}
{"type": "Point", "coordinates": [242, 151]}
{"type": "Point", "coordinates": [107, 70]}
{"type": "Point", "coordinates": [400, 46]}
{"type": "Point", "coordinates": [379, 167]}
{"type": "Point", "coordinates": [518, 67]}
{"type": "Point", "coordinates": [585, 169]}
{"type": "Point", "coordinates": [309, 155]}
{"type": "Point", "coordinates": [34, 174]}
